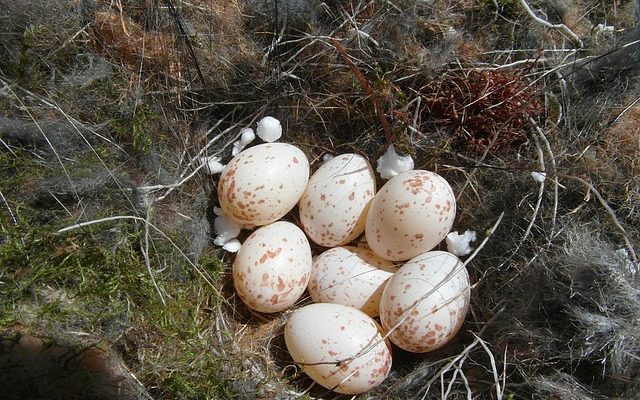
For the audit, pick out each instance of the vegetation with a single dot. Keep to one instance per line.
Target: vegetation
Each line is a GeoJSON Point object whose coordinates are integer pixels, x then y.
{"type": "Point", "coordinates": [107, 267]}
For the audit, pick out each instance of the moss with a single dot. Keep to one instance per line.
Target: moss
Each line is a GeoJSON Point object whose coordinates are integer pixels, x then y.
{"type": "Point", "coordinates": [56, 282]}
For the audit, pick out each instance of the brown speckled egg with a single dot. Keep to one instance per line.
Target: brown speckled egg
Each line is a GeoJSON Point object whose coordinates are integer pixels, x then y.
{"type": "Point", "coordinates": [263, 183]}
{"type": "Point", "coordinates": [334, 206]}
{"type": "Point", "coordinates": [427, 299]}
{"type": "Point", "coordinates": [273, 267]}
{"type": "Point", "coordinates": [351, 276]}
{"type": "Point", "coordinates": [410, 215]}
{"type": "Point", "coordinates": [339, 347]}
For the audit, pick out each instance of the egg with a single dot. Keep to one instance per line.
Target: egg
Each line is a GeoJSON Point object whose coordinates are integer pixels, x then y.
{"type": "Point", "coordinates": [272, 268]}
{"type": "Point", "coordinates": [263, 183]}
{"type": "Point", "coordinates": [351, 276]}
{"type": "Point", "coordinates": [333, 208]}
{"type": "Point", "coordinates": [427, 299]}
{"type": "Point", "coordinates": [339, 347]}
{"type": "Point", "coordinates": [410, 215]}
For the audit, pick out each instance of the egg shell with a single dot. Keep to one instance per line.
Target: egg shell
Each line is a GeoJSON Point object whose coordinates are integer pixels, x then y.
{"type": "Point", "coordinates": [431, 293]}
{"type": "Point", "coordinates": [263, 183]}
{"type": "Point", "coordinates": [273, 267]}
{"type": "Point", "coordinates": [334, 206]}
{"type": "Point", "coordinates": [410, 215]}
{"type": "Point", "coordinates": [351, 276]}
{"type": "Point", "coordinates": [339, 347]}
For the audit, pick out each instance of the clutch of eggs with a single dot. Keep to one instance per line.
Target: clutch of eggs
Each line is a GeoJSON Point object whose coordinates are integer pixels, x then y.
{"type": "Point", "coordinates": [335, 341]}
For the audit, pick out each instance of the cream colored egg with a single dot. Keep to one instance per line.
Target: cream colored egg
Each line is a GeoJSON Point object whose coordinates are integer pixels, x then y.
{"type": "Point", "coordinates": [339, 347]}
{"type": "Point", "coordinates": [351, 276]}
{"type": "Point", "coordinates": [263, 183]}
{"type": "Point", "coordinates": [410, 215]}
{"type": "Point", "coordinates": [425, 303]}
{"type": "Point", "coordinates": [273, 267]}
{"type": "Point", "coordinates": [333, 208]}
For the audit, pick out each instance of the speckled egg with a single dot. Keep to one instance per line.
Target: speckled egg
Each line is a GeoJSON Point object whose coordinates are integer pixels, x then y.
{"type": "Point", "coordinates": [351, 276]}
{"type": "Point", "coordinates": [273, 267]}
{"type": "Point", "coordinates": [334, 206]}
{"type": "Point", "coordinates": [263, 183]}
{"type": "Point", "coordinates": [431, 293]}
{"type": "Point", "coordinates": [339, 347]}
{"type": "Point", "coordinates": [410, 215]}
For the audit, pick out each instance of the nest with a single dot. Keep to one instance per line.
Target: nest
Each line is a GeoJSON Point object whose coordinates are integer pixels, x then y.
{"type": "Point", "coordinates": [107, 213]}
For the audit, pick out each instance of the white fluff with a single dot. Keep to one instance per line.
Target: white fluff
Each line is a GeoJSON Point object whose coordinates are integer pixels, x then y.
{"type": "Point", "coordinates": [391, 163]}
{"type": "Point", "coordinates": [246, 136]}
{"type": "Point", "coordinates": [538, 176]}
{"type": "Point", "coordinates": [226, 228]}
{"type": "Point", "coordinates": [237, 148]}
{"type": "Point", "coordinates": [269, 129]}
{"type": "Point", "coordinates": [327, 157]}
{"type": "Point", "coordinates": [212, 166]}
{"type": "Point", "coordinates": [458, 245]}
{"type": "Point", "coordinates": [232, 246]}
{"type": "Point", "coordinates": [218, 211]}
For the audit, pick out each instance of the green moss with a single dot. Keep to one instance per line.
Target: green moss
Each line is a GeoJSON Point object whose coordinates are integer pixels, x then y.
{"type": "Point", "coordinates": [56, 282]}
{"type": "Point", "coordinates": [136, 130]}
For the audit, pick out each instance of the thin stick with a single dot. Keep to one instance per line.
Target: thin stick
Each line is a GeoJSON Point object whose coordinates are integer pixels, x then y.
{"type": "Point", "coordinates": [145, 255]}
{"type": "Point", "coordinates": [540, 194]}
{"type": "Point", "coordinates": [553, 166]}
{"type": "Point", "coordinates": [629, 107]}
{"type": "Point", "coordinates": [494, 369]}
{"type": "Point", "coordinates": [610, 211]}
{"type": "Point", "coordinates": [463, 355]}
{"type": "Point", "coordinates": [6, 204]}
{"type": "Point", "coordinates": [548, 24]}
{"type": "Point", "coordinates": [367, 89]}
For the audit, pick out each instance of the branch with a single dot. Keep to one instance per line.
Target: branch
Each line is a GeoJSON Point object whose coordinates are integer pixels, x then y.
{"type": "Point", "coordinates": [367, 89]}
{"type": "Point", "coordinates": [549, 25]}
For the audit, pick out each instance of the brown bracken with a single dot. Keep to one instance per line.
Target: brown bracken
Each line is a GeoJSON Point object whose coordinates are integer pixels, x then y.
{"type": "Point", "coordinates": [482, 109]}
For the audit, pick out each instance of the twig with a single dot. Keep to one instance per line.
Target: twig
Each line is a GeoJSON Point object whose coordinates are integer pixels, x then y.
{"type": "Point", "coordinates": [536, 210]}
{"type": "Point", "coordinates": [548, 24]}
{"type": "Point", "coordinates": [485, 240]}
{"type": "Point", "coordinates": [464, 353]}
{"type": "Point", "coordinates": [145, 255]}
{"type": "Point", "coordinates": [552, 158]}
{"type": "Point", "coordinates": [609, 210]}
{"type": "Point", "coordinates": [477, 162]}
{"type": "Point", "coordinates": [66, 42]}
{"type": "Point", "coordinates": [6, 204]}
{"type": "Point", "coordinates": [629, 107]}
{"type": "Point", "coordinates": [494, 369]}
{"type": "Point", "coordinates": [459, 358]}
{"type": "Point", "coordinates": [367, 89]}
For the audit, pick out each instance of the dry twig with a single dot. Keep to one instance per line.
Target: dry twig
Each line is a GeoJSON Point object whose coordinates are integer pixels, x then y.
{"type": "Point", "coordinates": [549, 25]}
{"type": "Point", "coordinates": [367, 88]}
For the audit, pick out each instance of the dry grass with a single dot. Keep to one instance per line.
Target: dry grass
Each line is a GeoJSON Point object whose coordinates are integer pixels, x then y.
{"type": "Point", "coordinates": [106, 115]}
